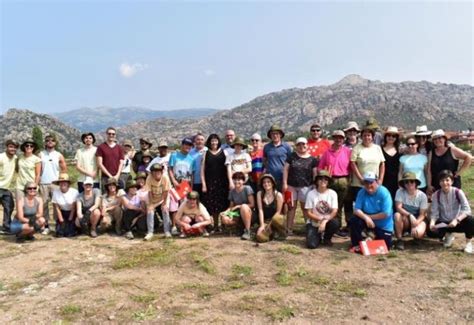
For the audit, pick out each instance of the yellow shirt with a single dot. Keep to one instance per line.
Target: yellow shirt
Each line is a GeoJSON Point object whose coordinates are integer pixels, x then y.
{"type": "Point", "coordinates": [367, 159]}
{"type": "Point", "coordinates": [7, 171]}
{"type": "Point", "coordinates": [156, 188]}
{"type": "Point", "coordinates": [26, 170]}
{"type": "Point", "coordinates": [87, 160]}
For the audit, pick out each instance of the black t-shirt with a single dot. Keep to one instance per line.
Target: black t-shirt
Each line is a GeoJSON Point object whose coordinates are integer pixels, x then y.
{"type": "Point", "coordinates": [300, 173]}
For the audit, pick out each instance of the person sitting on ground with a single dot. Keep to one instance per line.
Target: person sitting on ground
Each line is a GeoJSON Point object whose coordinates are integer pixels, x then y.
{"type": "Point", "coordinates": [88, 207]}
{"type": "Point", "coordinates": [373, 210]}
{"type": "Point", "coordinates": [192, 216]}
{"type": "Point", "coordinates": [269, 203]}
{"type": "Point", "coordinates": [29, 215]}
{"type": "Point", "coordinates": [64, 204]}
{"type": "Point", "coordinates": [133, 208]}
{"type": "Point", "coordinates": [411, 205]}
{"type": "Point", "coordinates": [111, 210]}
{"type": "Point", "coordinates": [142, 192]}
{"type": "Point", "coordinates": [158, 186]}
{"type": "Point", "coordinates": [241, 205]}
{"type": "Point", "coordinates": [450, 212]}
{"type": "Point", "coordinates": [238, 161]}
{"type": "Point", "coordinates": [321, 209]}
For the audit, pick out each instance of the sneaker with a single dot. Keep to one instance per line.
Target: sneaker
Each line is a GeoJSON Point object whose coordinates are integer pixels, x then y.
{"type": "Point", "coordinates": [342, 233]}
{"type": "Point", "coordinates": [245, 235]}
{"type": "Point", "coordinates": [205, 233]}
{"type": "Point", "coordinates": [468, 249]}
{"type": "Point", "coordinates": [289, 232]}
{"type": "Point", "coordinates": [182, 235]}
{"type": "Point", "coordinates": [168, 234]}
{"type": "Point", "coordinates": [45, 231]}
{"type": "Point", "coordinates": [174, 231]}
{"type": "Point", "coordinates": [399, 245]}
{"type": "Point", "coordinates": [93, 234]}
{"type": "Point", "coordinates": [448, 240]}
{"type": "Point", "coordinates": [148, 236]}
{"type": "Point", "coordinates": [355, 249]}
{"type": "Point", "coordinates": [129, 235]}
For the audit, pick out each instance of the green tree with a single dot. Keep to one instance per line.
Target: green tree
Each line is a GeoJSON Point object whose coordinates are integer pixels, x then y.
{"type": "Point", "coordinates": [37, 136]}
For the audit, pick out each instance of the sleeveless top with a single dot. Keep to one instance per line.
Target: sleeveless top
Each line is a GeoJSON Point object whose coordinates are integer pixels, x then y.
{"type": "Point", "coordinates": [30, 212]}
{"type": "Point", "coordinates": [215, 165]}
{"type": "Point", "coordinates": [49, 166]}
{"type": "Point", "coordinates": [439, 163]}
{"type": "Point", "coordinates": [270, 209]}
{"type": "Point", "coordinates": [390, 179]}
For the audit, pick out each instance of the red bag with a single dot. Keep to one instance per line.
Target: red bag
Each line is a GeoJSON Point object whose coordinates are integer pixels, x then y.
{"type": "Point", "coordinates": [373, 247]}
{"type": "Point", "coordinates": [289, 198]}
{"type": "Point", "coordinates": [180, 191]}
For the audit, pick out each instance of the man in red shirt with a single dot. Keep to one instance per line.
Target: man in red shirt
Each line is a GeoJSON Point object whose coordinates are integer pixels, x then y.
{"type": "Point", "coordinates": [317, 146]}
{"type": "Point", "coordinates": [110, 158]}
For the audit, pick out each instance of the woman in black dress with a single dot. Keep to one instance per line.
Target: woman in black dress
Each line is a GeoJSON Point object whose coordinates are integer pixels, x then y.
{"type": "Point", "coordinates": [215, 185]}
{"type": "Point", "coordinates": [391, 153]}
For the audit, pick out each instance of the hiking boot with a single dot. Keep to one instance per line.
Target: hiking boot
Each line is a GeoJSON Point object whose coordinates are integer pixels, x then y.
{"type": "Point", "coordinates": [205, 233]}
{"type": "Point", "coordinates": [93, 234]}
{"type": "Point", "coordinates": [168, 234]}
{"type": "Point", "coordinates": [245, 235]}
{"type": "Point", "coordinates": [129, 235]}
{"type": "Point", "coordinates": [448, 240]}
{"type": "Point", "coordinates": [468, 249]}
{"type": "Point", "coordinates": [174, 231]}
{"type": "Point", "coordinates": [148, 236]}
{"type": "Point", "coordinates": [342, 233]}
{"type": "Point", "coordinates": [399, 245]}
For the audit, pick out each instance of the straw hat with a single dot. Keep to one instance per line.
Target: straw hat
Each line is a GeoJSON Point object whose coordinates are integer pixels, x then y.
{"type": "Point", "coordinates": [63, 177]}
{"type": "Point", "coordinates": [392, 130]}
{"type": "Point", "coordinates": [421, 130]}
{"type": "Point", "coordinates": [352, 125]}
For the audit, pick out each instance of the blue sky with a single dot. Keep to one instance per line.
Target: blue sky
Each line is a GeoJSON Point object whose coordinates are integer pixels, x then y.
{"type": "Point", "coordinates": [60, 55]}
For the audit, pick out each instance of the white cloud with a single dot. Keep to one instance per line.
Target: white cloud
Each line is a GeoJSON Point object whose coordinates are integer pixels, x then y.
{"type": "Point", "coordinates": [129, 70]}
{"type": "Point", "coordinates": [209, 72]}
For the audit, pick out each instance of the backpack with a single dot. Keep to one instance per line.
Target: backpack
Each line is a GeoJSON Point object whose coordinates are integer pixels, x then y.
{"type": "Point", "coordinates": [456, 193]}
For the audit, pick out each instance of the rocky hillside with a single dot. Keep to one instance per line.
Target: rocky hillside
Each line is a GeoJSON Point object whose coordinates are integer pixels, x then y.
{"type": "Point", "coordinates": [99, 118]}
{"type": "Point", "coordinates": [404, 104]}
{"type": "Point", "coordinates": [18, 124]}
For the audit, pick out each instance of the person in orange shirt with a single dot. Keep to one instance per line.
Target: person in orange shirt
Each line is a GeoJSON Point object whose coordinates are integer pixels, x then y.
{"type": "Point", "coordinates": [317, 146]}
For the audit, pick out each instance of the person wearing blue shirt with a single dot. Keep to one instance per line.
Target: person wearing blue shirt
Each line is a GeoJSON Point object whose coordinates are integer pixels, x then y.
{"type": "Point", "coordinates": [197, 153]}
{"type": "Point", "coordinates": [275, 154]}
{"type": "Point", "coordinates": [181, 163]}
{"type": "Point", "coordinates": [373, 210]}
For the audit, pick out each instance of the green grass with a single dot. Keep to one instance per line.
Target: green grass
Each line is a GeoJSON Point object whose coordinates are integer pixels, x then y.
{"type": "Point", "coordinates": [144, 299]}
{"type": "Point", "coordinates": [469, 273]}
{"type": "Point", "coordinates": [143, 315]}
{"type": "Point", "coordinates": [284, 278]}
{"type": "Point", "coordinates": [241, 270]}
{"type": "Point", "coordinates": [204, 264]}
{"type": "Point", "coordinates": [128, 259]}
{"type": "Point", "coordinates": [291, 249]}
{"type": "Point", "coordinates": [468, 185]}
{"type": "Point", "coordinates": [280, 314]}
{"type": "Point", "coordinates": [69, 311]}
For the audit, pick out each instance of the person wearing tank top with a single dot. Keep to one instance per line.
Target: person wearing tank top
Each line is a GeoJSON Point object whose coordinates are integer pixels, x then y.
{"type": "Point", "coordinates": [29, 217]}
{"type": "Point", "coordinates": [52, 163]}
{"type": "Point", "coordinates": [269, 204]}
{"type": "Point", "coordinates": [445, 157]}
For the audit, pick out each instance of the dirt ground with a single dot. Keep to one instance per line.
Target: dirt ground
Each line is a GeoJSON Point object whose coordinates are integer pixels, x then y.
{"type": "Point", "coordinates": [223, 279]}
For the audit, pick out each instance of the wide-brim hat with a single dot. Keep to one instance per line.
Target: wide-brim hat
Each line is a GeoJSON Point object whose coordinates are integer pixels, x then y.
{"type": "Point", "coordinates": [156, 167]}
{"type": "Point", "coordinates": [274, 128]}
{"type": "Point", "coordinates": [392, 130]}
{"type": "Point", "coordinates": [409, 176]}
{"type": "Point", "coordinates": [372, 124]}
{"type": "Point", "coordinates": [147, 153]}
{"type": "Point", "coordinates": [278, 223]}
{"type": "Point", "coordinates": [130, 184]}
{"type": "Point", "coordinates": [351, 125]}
{"type": "Point", "coordinates": [84, 135]}
{"type": "Point", "coordinates": [422, 130]}
{"type": "Point", "coordinates": [240, 141]}
{"type": "Point", "coordinates": [338, 133]}
{"type": "Point", "coordinates": [63, 177]}
{"type": "Point", "coordinates": [141, 175]}
{"type": "Point", "coordinates": [163, 144]}
{"type": "Point", "coordinates": [29, 141]}
{"type": "Point", "coordinates": [438, 134]}
{"type": "Point", "coordinates": [147, 140]}
{"type": "Point", "coordinates": [111, 181]}
{"type": "Point", "coordinates": [11, 142]}
{"type": "Point", "coordinates": [128, 143]}
{"type": "Point", "coordinates": [323, 173]}
{"type": "Point", "coordinates": [270, 177]}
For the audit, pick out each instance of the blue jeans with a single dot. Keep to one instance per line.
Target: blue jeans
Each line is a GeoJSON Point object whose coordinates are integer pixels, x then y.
{"type": "Point", "coordinates": [6, 198]}
{"type": "Point", "coordinates": [357, 225]}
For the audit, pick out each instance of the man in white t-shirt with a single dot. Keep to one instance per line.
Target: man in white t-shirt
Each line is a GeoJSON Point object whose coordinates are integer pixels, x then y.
{"type": "Point", "coordinates": [321, 208]}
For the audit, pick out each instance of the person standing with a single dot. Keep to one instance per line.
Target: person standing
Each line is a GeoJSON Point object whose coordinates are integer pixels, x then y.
{"type": "Point", "coordinates": [275, 154]}
{"type": "Point", "coordinates": [257, 161]}
{"type": "Point", "coordinates": [128, 155]}
{"type": "Point", "coordinates": [163, 158]}
{"type": "Point", "coordinates": [8, 161]}
{"type": "Point", "coordinates": [238, 161]}
{"type": "Point", "coordinates": [29, 167]}
{"type": "Point", "coordinates": [110, 158]}
{"type": "Point", "coordinates": [229, 140]}
{"type": "Point", "coordinates": [86, 162]}
{"type": "Point", "coordinates": [197, 153]}
{"type": "Point", "coordinates": [391, 153]}
{"type": "Point", "coordinates": [52, 163]}
{"type": "Point", "coordinates": [317, 146]}
{"type": "Point", "coordinates": [181, 163]}
{"type": "Point", "coordinates": [145, 144]}
{"type": "Point", "coordinates": [352, 134]}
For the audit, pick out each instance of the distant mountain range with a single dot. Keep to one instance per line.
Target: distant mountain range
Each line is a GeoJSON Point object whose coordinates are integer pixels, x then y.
{"type": "Point", "coordinates": [99, 118]}
{"type": "Point", "coordinates": [405, 104]}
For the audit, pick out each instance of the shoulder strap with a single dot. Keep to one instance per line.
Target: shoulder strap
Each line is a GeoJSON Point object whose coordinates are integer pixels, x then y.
{"type": "Point", "coordinates": [458, 198]}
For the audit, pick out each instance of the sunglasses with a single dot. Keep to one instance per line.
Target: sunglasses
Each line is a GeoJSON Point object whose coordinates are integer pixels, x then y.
{"type": "Point", "coordinates": [391, 136]}
{"type": "Point", "coordinates": [29, 146]}
{"type": "Point", "coordinates": [110, 133]}
{"type": "Point", "coordinates": [411, 144]}
{"type": "Point", "coordinates": [50, 140]}
{"type": "Point", "coordinates": [315, 130]}
{"type": "Point", "coordinates": [31, 188]}
{"type": "Point", "coordinates": [409, 182]}
{"type": "Point", "coordinates": [254, 140]}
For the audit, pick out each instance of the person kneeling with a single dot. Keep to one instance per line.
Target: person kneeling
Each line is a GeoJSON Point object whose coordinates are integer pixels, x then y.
{"type": "Point", "coordinates": [450, 212]}
{"type": "Point", "coordinates": [373, 210]}
{"type": "Point", "coordinates": [241, 205]}
{"type": "Point", "coordinates": [29, 216]}
{"type": "Point", "coordinates": [321, 208]}
{"type": "Point", "coordinates": [411, 205]}
{"type": "Point", "coordinates": [192, 216]}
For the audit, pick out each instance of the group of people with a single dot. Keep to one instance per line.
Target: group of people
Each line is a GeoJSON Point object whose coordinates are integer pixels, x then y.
{"type": "Point", "coordinates": [381, 181]}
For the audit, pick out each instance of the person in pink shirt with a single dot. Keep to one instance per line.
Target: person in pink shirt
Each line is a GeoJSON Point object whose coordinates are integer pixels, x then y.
{"type": "Point", "coordinates": [317, 145]}
{"type": "Point", "coordinates": [337, 161]}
